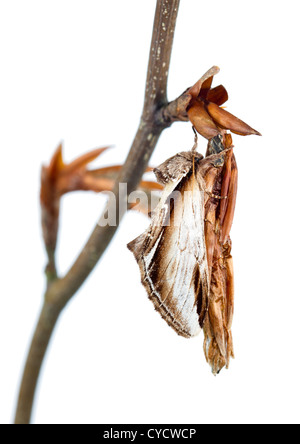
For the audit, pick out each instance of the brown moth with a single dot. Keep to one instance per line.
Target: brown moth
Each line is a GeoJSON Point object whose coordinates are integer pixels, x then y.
{"type": "Point", "coordinates": [171, 253]}
{"type": "Point", "coordinates": [179, 254]}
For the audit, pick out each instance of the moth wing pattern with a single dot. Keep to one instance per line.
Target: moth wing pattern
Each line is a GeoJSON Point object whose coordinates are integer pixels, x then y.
{"type": "Point", "coordinates": [176, 168]}
{"type": "Point", "coordinates": [171, 253]}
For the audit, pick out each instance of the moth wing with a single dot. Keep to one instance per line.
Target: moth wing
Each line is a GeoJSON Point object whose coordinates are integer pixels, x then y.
{"type": "Point", "coordinates": [172, 257]}
{"type": "Point", "coordinates": [170, 174]}
{"type": "Point", "coordinates": [147, 240]}
{"type": "Point", "coordinates": [176, 167]}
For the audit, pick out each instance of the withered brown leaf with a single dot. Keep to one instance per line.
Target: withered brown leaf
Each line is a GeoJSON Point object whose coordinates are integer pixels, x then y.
{"type": "Point", "coordinates": [218, 345]}
{"type": "Point", "coordinates": [205, 112]}
{"type": "Point", "coordinates": [60, 178]}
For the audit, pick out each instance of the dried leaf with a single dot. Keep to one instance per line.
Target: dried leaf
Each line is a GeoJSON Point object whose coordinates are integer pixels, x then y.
{"type": "Point", "coordinates": [202, 121]}
{"type": "Point", "coordinates": [59, 178]}
{"type": "Point", "coordinates": [82, 161]}
{"type": "Point", "coordinates": [217, 95]}
{"type": "Point", "coordinates": [205, 79]}
{"type": "Point", "coordinates": [228, 121]}
{"type": "Point", "coordinates": [205, 112]}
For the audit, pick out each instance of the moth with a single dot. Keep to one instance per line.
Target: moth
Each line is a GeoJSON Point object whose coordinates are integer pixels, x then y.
{"type": "Point", "coordinates": [184, 255]}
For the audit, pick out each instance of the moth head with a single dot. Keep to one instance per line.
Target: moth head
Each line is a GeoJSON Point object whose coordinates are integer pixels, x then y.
{"type": "Point", "coordinates": [176, 167]}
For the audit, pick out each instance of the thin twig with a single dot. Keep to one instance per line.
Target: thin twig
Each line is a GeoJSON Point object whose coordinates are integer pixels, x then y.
{"type": "Point", "coordinates": [151, 126]}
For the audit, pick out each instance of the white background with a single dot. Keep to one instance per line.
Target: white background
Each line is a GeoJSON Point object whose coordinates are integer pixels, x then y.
{"type": "Point", "coordinates": [75, 71]}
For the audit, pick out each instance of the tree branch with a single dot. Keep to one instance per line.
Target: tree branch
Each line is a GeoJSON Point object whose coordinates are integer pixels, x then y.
{"type": "Point", "coordinates": [151, 126]}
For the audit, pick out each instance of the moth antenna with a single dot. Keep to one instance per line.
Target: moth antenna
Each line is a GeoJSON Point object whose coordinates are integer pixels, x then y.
{"type": "Point", "coordinates": [195, 139]}
{"type": "Point", "coordinates": [194, 148]}
{"type": "Point", "coordinates": [193, 171]}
